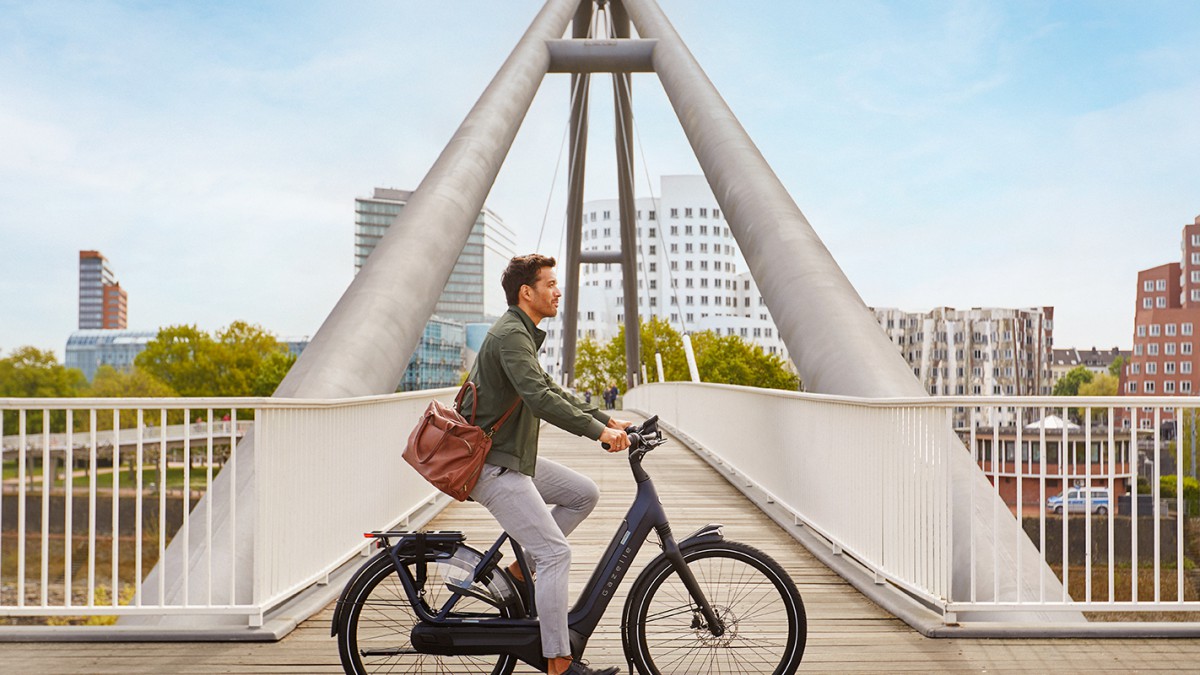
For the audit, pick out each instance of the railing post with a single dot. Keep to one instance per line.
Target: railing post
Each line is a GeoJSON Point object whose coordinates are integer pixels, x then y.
{"type": "Point", "coordinates": [262, 449]}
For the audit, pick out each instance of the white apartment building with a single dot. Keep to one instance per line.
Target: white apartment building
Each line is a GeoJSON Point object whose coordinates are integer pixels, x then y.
{"type": "Point", "coordinates": [690, 271]}
{"type": "Point", "coordinates": [976, 352]}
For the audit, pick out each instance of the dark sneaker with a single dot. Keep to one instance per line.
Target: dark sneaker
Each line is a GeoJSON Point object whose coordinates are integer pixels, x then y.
{"type": "Point", "coordinates": [581, 668]}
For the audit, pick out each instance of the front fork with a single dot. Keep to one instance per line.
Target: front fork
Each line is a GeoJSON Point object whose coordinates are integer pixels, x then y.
{"type": "Point", "coordinates": [671, 551]}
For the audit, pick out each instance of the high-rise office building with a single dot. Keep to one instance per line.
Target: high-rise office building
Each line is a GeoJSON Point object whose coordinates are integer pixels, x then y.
{"type": "Point", "coordinates": [473, 292]}
{"type": "Point", "coordinates": [102, 301]}
{"type": "Point", "coordinates": [690, 272]}
{"type": "Point", "coordinates": [472, 295]}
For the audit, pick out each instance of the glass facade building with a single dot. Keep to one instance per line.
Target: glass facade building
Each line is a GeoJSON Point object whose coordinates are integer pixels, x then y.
{"type": "Point", "coordinates": [438, 361]}
{"type": "Point", "coordinates": [87, 350]}
{"type": "Point", "coordinates": [473, 292]}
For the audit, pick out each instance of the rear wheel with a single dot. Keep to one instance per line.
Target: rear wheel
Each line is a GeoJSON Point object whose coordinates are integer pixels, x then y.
{"type": "Point", "coordinates": [375, 626]}
{"type": "Point", "coordinates": [756, 600]}
{"type": "Point", "coordinates": [1102, 510]}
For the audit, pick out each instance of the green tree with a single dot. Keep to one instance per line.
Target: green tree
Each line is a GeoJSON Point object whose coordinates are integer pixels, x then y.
{"type": "Point", "coordinates": [30, 372]}
{"type": "Point", "coordinates": [271, 371]}
{"type": "Point", "coordinates": [134, 383]}
{"type": "Point", "coordinates": [1101, 384]}
{"type": "Point", "coordinates": [729, 359]}
{"type": "Point", "coordinates": [242, 360]}
{"type": "Point", "coordinates": [1117, 366]}
{"type": "Point", "coordinates": [1189, 437]}
{"type": "Point", "coordinates": [1168, 488]}
{"type": "Point", "coordinates": [599, 365]}
{"type": "Point", "coordinates": [244, 350]}
{"type": "Point", "coordinates": [182, 357]}
{"type": "Point", "coordinates": [1069, 384]}
{"type": "Point", "coordinates": [725, 360]}
{"type": "Point", "coordinates": [658, 337]}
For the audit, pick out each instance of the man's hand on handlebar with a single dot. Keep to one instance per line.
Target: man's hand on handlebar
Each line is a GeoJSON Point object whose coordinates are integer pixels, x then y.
{"type": "Point", "coordinates": [616, 439]}
{"type": "Point", "coordinates": [614, 423]}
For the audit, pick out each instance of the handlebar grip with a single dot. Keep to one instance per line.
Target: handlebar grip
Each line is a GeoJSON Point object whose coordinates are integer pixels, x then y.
{"type": "Point", "coordinates": [634, 441]}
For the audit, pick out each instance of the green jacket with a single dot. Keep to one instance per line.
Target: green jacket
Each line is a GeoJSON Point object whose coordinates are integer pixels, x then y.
{"type": "Point", "coordinates": [507, 367]}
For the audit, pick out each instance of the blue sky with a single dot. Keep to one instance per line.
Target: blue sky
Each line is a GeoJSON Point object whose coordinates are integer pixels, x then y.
{"type": "Point", "coordinates": [948, 153]}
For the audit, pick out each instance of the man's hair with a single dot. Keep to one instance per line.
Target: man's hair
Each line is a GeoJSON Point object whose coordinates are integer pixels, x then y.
{"type": "Point", "coordinates": [522, 271]}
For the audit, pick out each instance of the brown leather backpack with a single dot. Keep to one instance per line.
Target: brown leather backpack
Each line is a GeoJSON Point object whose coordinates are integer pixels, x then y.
{"type": "Point", "coordinates": [447, 450]}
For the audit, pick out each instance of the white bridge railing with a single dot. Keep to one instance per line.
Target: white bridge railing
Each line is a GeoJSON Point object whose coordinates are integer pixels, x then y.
{"type": "Point", "coordinates": [883, 481]}
{"type": "Point", "coordinates": [95, 492]}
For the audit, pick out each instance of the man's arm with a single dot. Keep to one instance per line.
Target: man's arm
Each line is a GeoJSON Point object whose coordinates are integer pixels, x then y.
{"type": "Point", "coordinates": [589, 408]}
{"type": "Point", "coordinates": [545, 399]}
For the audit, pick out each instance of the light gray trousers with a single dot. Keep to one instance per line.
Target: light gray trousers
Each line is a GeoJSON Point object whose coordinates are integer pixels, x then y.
{"type": "Point", "coordinates": [539, 513]}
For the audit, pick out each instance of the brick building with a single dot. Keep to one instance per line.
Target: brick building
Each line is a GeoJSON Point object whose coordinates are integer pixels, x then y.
{"type": "Point", "coordinates": [102, 301]}
{"type": "Point", "coordinates": [1164, 334]}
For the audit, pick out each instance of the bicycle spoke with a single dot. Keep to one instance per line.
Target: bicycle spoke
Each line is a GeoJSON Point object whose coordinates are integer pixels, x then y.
{"type": "Point", "coordinates": [383, 619]}
{"type": "Point", "coordinates": [760, 620]}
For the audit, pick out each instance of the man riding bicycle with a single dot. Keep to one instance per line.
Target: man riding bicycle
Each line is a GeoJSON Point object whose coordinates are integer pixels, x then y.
{"type": "Point", "coordinates": [537, 501]}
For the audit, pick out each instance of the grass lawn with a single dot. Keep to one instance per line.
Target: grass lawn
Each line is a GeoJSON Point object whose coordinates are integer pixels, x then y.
{"type": "Point", "coordinates": [10, 469]}
{"type": "Point", "coordinates": [104, 479]}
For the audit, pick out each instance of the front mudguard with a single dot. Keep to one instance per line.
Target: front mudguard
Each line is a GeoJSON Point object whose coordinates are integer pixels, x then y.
{"type": "Point", "coordinates": [709, 533]}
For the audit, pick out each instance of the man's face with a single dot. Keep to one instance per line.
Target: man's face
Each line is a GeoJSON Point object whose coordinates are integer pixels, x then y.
{"type": "Point", "coordinates": [545, 294]}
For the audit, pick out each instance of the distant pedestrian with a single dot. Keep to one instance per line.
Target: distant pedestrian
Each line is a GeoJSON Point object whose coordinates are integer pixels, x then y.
{"type": "Point", "coordinates": [610, 397]}
{"type": "Point", "coordinates": [587, 396]}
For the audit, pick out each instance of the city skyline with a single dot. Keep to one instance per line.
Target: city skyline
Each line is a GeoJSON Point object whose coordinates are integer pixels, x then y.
{"type": "Point", "coordinates": [994, 155]}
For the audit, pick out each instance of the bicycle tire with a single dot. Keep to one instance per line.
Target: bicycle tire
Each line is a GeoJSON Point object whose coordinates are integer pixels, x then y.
{"type": "Point", "coordinates": [766, 626]}
{"type": "Point", "coordinates": [379, 618]}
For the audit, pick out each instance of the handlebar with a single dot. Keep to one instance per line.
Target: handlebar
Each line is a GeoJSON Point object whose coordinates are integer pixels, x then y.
{"type": "Point", "coordinates": [644, 437]}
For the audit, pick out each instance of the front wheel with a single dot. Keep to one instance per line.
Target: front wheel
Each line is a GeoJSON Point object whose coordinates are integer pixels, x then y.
{"type": "Point", "coordinates": [765, 625]}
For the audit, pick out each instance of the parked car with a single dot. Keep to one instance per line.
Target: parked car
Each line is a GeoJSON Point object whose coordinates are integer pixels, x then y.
{"type": "Point", "coordinates": [1081, 499]}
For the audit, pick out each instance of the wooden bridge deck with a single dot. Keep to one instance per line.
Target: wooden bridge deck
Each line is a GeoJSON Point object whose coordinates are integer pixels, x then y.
{"type": "Point", "coordinates": [847, 632]}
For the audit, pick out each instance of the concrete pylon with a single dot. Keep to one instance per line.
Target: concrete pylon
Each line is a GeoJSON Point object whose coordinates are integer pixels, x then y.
{"type": "Point", "coordinates": [831, 335]}
{"type": "Point", "coordinates": [365, 344]}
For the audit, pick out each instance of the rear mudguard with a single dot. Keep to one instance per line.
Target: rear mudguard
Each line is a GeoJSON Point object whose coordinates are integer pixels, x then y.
{"type": "Point", "coordinates": [340, 608]}
{"type": "Point", "coordinates": [434, 550]}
